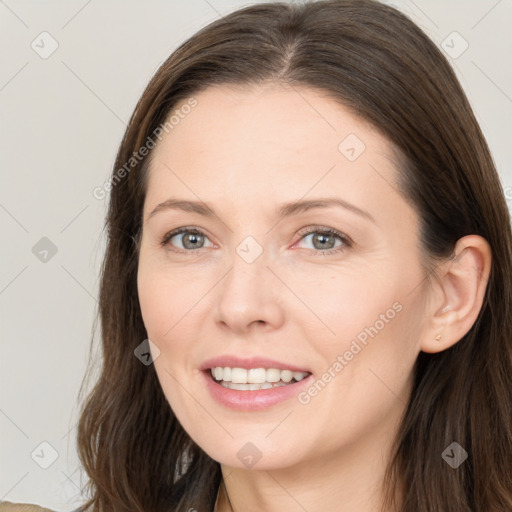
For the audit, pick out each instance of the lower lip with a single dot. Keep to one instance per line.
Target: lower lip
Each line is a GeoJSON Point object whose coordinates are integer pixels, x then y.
{"type": "Point", "coordinates": [253, 400]}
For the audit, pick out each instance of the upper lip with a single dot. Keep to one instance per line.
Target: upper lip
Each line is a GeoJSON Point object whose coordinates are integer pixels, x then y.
{"type": "Point", "coordinates": [247, 363]}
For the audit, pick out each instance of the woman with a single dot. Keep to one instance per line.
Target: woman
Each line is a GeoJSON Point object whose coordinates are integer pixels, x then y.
{"type": "Point", "coordinates": [306, 291]}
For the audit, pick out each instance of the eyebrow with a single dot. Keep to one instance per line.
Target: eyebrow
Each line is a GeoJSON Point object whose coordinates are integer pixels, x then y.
{"type": "Point", "coordinates": [285, 210]}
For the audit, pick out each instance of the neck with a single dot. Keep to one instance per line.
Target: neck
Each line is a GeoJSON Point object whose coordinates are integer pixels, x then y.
{"type": "Point", "coordinates": [349, 480]}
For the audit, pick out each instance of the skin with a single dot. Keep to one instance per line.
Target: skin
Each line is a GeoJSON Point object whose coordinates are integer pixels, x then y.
{"type": "Point", "coordinates": [245, 151]}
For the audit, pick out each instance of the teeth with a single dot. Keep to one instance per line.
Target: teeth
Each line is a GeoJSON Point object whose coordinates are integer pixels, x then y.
{"type": "Point", "coordinates": [286, 375]}
{"type": "Point", "coordinates": [238, 375]}
{"type": "Point", "coordinates": [256, 375]}
{"type": "Point", "coordinates": [299, 375]}
{"type": "Point", "coordinates": [273, 375]}
{"type": "Point", "coordinates": [259, 378]}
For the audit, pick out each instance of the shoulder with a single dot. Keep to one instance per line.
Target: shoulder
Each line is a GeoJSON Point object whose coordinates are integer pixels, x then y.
{"type": "Point", "coordinates": [7, 506]}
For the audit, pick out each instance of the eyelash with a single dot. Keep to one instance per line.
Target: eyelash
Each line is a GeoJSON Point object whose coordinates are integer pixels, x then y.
{"type": "Point", "coordinates": [346, 241]}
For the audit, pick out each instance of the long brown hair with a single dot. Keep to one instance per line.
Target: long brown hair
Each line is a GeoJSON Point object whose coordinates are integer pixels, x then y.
{"type": "Point", "coordinates": [374, 60]}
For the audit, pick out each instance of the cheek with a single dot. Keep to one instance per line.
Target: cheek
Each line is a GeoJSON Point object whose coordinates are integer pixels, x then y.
{"type": "Point", "coordinates": [345, 305]}
{"type": "Point", "coordinates": [167, 300]}
{"type": "Point", "coordinates": [375, 325]}
{"type": "Point", "coordinates": [367, 301]}
{"type": "Point", "coordinates": [156, 308]}
{"type": "Point", "coordinates": [370, 366]}
{"type": "Point", "coordinates": [166, 296]}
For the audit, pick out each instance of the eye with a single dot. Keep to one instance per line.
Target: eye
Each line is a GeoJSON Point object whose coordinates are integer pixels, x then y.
{"type": "Point", "coordinates": [325, 240]}
{"type": "Point", "coordinates": [189, 240]}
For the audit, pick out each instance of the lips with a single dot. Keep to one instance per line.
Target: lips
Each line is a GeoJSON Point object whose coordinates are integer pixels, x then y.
{"type": "Point", "coordinates": [253, 397]}
{"type": "Point", "coordinates": [262, 382]}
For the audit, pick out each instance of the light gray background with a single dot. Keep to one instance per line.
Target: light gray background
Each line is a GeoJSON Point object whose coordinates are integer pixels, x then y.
{"type": "Point", "coordinates": [62, 119]}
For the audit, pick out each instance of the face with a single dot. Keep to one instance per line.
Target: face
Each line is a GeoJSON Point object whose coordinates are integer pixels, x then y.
{"type": "Point", "coordinates": [329, 295]}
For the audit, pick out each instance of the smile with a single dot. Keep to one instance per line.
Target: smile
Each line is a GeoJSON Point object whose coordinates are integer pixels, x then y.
{"type": "Point", "coordinates": [254, 379]}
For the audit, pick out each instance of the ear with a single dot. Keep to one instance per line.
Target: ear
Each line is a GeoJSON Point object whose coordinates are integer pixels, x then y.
{"type": "Point", "coordinates": [457, 294]}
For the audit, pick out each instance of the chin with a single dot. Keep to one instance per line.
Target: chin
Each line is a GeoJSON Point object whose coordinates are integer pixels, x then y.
{"type": "Point", "coordinates": [253, 453]}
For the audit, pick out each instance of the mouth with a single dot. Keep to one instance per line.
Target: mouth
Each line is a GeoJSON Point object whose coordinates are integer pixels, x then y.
{"type": "Point", "coordinates": [254, 379]}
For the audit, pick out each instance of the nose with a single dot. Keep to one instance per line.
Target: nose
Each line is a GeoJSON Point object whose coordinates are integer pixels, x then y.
{"type": "Point", "coordinates": [249, 296]}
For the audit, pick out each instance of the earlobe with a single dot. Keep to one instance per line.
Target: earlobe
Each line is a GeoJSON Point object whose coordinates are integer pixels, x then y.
{"type": "Point", "coordinates": [461, 283]}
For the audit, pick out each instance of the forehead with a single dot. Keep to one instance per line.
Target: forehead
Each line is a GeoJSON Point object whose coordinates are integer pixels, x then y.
{"type": "Point", "coordinates": [289, 118]}
{"type": "Point", "coordinates": [266, 142]}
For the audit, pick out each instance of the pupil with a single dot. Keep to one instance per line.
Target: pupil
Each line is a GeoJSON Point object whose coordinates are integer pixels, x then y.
{"type": "Point", "coordinates": [323, 237]}
{"type": "Point", "coordinates": [192, 237]}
